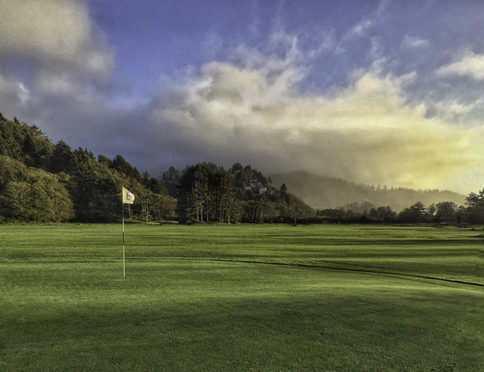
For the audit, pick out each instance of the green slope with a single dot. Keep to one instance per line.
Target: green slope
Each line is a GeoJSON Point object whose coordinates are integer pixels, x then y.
{"type": "Point", "coordinates": [262, 298]}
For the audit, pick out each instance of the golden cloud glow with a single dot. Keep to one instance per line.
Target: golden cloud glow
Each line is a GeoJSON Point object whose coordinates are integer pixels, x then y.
{"type": "Point", "coordinates": [365, 132]}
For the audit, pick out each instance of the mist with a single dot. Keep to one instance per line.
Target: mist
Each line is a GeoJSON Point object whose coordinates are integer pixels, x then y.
{"type": "Point", "coordinates": [252, 109]}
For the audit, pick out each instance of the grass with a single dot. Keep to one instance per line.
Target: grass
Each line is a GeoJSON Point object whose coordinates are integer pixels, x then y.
{"type": "Point", "coordinates": [245, 297]}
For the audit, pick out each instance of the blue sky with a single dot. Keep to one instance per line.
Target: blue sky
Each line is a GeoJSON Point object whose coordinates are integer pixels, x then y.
{"type": "Point", "coordinates": [381, 91]}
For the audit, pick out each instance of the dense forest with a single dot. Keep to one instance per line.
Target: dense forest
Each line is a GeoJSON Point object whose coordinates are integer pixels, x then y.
{"type": "Point", "coordinates": [41, 181]}
{"type": "Point", "coordinates": [45, 182]}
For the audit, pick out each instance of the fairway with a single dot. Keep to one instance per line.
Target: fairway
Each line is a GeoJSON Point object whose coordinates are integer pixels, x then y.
{"type": "Point", "coordinates": [241, 297]}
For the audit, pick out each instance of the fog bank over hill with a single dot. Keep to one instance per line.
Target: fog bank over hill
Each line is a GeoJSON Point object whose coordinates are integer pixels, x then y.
{"type": "Point", "coordinates": [327, 192]}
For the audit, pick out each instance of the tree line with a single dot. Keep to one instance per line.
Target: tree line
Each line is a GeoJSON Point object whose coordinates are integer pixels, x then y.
{"type": "Point", "coordinates": [45, 182]}
{"type": "Point", "coordinates": [209, 193]}
{"type": "Point", "coordinates": [446, 212]}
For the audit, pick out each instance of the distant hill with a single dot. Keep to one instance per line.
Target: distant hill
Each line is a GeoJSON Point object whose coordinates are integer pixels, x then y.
{"type": "Point", "coordinates": [327, 192]}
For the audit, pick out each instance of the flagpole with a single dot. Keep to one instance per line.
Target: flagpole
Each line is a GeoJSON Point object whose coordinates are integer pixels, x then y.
{"type": "Point", "coordinates": [124, 254]}
{"type": "Point", "coordinates": [127, 198]}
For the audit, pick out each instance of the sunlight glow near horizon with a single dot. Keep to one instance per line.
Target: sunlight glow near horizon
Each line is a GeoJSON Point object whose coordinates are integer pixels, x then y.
{"type": "Point", "coordinates": [370, 91]}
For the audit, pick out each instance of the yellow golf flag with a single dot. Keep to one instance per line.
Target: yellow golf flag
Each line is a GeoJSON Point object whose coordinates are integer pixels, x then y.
{"type": "Point", "coordinates": [128, 196]}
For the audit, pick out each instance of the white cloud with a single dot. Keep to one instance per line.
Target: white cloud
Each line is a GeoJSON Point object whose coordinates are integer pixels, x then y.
{"type": "Point", "coordinates": [12, 91]}
{"type": "Point", "coordinates": [64, 66]}
{"type": "Point", "coordinates": [360, 28]}
{"type": "Point", "coordinates": [23, 93]}
{"type": "Point", "coordinates": [454, 107]}
{"type": "Point", "coordinates": [470, 64]}
{"type": "Point", "coordinates": [376, 48]}
{"type": "Point", "coordinates": [249, 108]}
{"type": "Point", "coordinates": [50, 83]}
{"type": "Point", "coordinates": [365, 132]}
{"type": "Point", "coordinates": [52, 31]}
{"type": "Point", "coordinates": [458, 111]}
{"type": "Point", "coordinates": [413, 42]}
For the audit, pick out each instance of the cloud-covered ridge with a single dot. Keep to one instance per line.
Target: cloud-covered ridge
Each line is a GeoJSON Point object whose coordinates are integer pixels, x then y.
{"type": "Point", "coordinates": [365, 132]}
{"type": "Point", "coordinates": [352, 102]}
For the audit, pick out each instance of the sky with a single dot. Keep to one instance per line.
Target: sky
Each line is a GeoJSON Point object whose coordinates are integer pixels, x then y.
{"type": "Point", "coordinates": [384, 92]}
